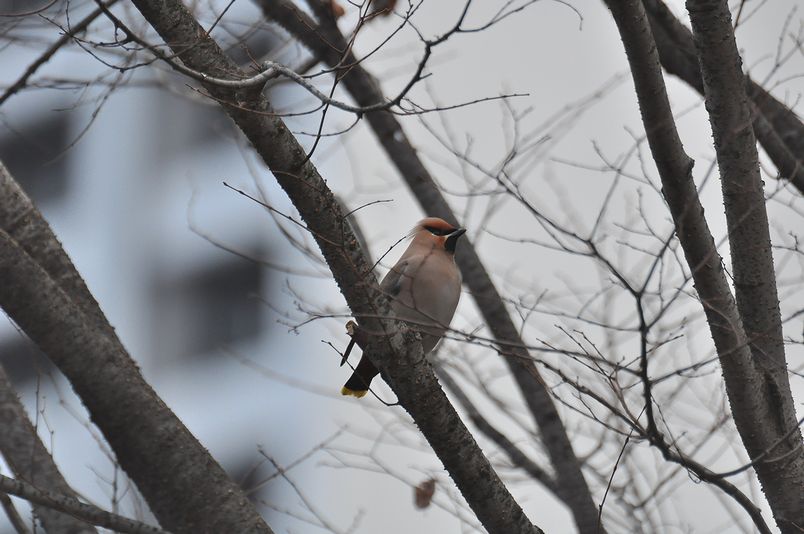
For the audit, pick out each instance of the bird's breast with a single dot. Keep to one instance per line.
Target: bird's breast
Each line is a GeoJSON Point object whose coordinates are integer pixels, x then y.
{"type": "Point", "coordinates": [432, 295]}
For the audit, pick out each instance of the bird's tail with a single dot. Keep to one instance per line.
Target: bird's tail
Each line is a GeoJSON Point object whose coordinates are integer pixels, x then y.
{"type": "Point", "coordinates": [359, 393]}
{"type": "Point", "coordinates": [358, 384]}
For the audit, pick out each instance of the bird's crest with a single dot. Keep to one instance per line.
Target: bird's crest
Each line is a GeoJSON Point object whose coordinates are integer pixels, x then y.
{"type": "Point", "coordinates": [434, 225]}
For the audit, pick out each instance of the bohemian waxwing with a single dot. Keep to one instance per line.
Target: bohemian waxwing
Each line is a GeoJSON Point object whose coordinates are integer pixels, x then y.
{"type": "Point", "coordinates": [424, 286]}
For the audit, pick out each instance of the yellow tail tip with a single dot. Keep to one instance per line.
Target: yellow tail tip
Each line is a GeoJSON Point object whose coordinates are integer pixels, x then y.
{"type": "Point", "coordinates": [359, 393]}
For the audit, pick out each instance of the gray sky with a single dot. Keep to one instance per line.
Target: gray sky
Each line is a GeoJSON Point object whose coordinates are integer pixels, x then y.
{"type": "Point", "coordinates": [143, 176]}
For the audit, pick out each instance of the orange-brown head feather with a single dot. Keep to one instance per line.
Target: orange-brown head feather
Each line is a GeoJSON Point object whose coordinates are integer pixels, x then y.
{"type": "Point", "coordinates": [433, 232]}
{"type": "Point", "coordinates": [435, 223]}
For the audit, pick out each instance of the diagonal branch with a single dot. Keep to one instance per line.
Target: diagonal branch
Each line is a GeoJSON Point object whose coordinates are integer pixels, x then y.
{"type": "Point", "coordinates": [17, 522]}
{"type": "Point", "coordinates": [75, 508]}
{"type": "Point", "coordinates": [28, 459]}
{"type": "Point", "coordinates": [516, 455]}
{"type": "Point", "coordinates": [329, 45]}
{"type": "Point", "coordinates": [44, 294]}
{"type": "Point", "coordinates": [753, 394]}
{"type": "Point", "coordinates": [75, 29]}
{"type": "Point", "coordinates": [393, 348]}
{"type": "Point", "coordinates": [778, 129]}
{"type": "Point", "coordinates": [751, 256]}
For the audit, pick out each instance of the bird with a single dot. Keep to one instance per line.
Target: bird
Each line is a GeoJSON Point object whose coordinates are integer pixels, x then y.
{"type": "Point", "coordinates": [424, 287]}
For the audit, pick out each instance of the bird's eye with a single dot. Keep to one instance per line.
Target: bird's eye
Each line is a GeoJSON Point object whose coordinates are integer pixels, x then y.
{"type": "Point", "coordinates": [439, 231]}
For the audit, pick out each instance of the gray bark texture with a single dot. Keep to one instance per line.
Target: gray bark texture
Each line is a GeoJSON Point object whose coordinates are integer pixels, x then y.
{"type": "Point", "coordinates": [754, 396]}
{"type": "Point", "coordinates": [394, 349]}
{"type": "Point", "coordinates": [70, 505]}
{"type": "Point", "coordinates": [327, 43]}
{"type": "Point", "coordinates": [782, 474]}
{"type": "Point", "coordinates": [44, 294]}
{"type": "Point", "coordinates": [19, 525]}
{"type": "Point", "coordinates": [28, 459]}
{"type": "Point", "coordinates": [778, 129]}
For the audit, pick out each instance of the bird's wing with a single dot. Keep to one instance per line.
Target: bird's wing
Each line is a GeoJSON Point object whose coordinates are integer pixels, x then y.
{"type": "Point", "coordinates": [392, 283]}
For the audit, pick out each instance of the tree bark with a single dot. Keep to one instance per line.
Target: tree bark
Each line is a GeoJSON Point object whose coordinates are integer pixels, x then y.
{"type": "Point", "coordinates": [70, 505]}
{"type": "Point", "coordinates": [394, 349]}
{"type": "Point", "coordinates": [751, 259]}
{"type": "Point", "coordinates": [44, 294]}
{"type": "Point", "coordinates": [328, 44]}
{"type": "Point", "coordinates": [28, 459]}
{"type": "Point", "coordinates": [778, 129]}
{"type": "Point", "coordinates": [755, 411]}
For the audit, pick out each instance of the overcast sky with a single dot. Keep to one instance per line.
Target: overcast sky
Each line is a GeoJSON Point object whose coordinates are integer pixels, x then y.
{"type": "Point", "coordinates": [566, 63]}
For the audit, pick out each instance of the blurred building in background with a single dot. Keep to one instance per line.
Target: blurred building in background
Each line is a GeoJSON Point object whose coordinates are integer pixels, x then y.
{"type": "Point", "coordinates": [204, 289]}
{"type": "Point", "coordinates": [131, 180]}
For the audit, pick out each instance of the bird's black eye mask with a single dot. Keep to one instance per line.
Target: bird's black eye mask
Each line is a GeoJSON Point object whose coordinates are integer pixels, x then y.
{"type": "Point", "coordinates": [439, 231]}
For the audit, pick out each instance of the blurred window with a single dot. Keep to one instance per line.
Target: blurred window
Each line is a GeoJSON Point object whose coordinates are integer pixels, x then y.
{"type": "Point", "coordinates": [22, 359]}
{"type": "Point", "coordinates": [14, 7]}
{"type": "Point", "coordinates": [36, 157]}
{"type": "Point", "coordinates": [208, 309]}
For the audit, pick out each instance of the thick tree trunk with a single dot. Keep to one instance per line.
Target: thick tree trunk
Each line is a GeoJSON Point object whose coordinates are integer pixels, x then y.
{"type": "Point", "coordinates": [44, 294]}
{"type": "Point", "coordinates": [778, 129]}
{"type": "Point", "coordinates": [782, 472]}
{"type": "Point", "coordinates": [755, 399]}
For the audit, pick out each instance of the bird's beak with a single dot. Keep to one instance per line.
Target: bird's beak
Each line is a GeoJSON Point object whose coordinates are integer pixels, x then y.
{"type": "Point", "coordinates": [452, 239]}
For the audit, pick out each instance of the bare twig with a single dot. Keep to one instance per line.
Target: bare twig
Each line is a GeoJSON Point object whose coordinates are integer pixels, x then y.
{"type": "Point", "coordinates": [752, 263]}
{"type": "Point", "coordinates": [675, 169]}
{"type": "Point", "coordinates": [14, 516]}
{"type": "Point", "coordinates": [74, 507]}
{"type": "Point", "coordinates": [25, 453]}
{"type": "Point", "coordinates": [394, 347]}
{"type": "Point", "coordinates": [328, 44]}
{"type": "Point", "coordinates": [43, 293]}
{"type": "Point", "coordinates": [78, 27]}
{"type": "Point", "coordinates": [778, 128]}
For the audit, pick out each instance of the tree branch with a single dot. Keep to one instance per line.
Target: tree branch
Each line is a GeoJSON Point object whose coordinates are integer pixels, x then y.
{"type": "Point", "coordinates": [74, 507]}
{"type": "Point", "coordinates": [44, 294]}
{"type": "Point", "coordinates": [77, 28]}
{"type": "Point", "coordinates": [515, 454]}
{"type": "Point", "coordinates": [751, 256]}
{"type": "Point", "coordinates": [30, 461]}
{"type": "Point", "coordinates": [14, 517]}
{"type": "Point", "coordinates": [329, 45]}
{"type": "Point", "coordinates": [778, 129]}
{"type": "Point", "coordinates": [393, 348]}
{"type": "Point", "coordinates": [745, 384]}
